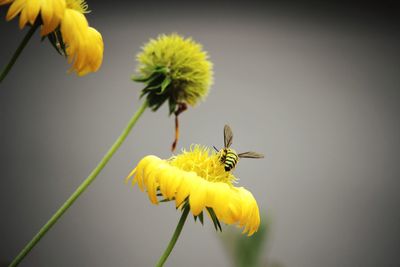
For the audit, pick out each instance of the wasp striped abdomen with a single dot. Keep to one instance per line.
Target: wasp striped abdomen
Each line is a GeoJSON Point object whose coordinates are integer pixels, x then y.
{"type": "Point", "coordinates": [229, 158]}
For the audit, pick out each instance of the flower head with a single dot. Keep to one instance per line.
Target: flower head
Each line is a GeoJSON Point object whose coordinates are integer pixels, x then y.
{"type": "Point", "coordinates": [64, 23]}
{"type": "Point", "coordinates": [198, 179]}
{"type": "Point", "coordinates": [175, 69]}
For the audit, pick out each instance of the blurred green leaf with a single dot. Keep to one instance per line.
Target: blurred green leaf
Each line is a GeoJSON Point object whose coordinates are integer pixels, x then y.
{"type": "Point", "coordinates": [249, 251]}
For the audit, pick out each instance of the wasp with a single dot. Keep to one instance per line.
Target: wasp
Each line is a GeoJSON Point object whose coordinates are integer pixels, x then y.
{"type": "Point", "coordinates": [228, 157]}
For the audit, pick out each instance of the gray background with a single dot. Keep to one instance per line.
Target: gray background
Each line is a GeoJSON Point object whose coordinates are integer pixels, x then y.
{"type": "Point", "coordinates": [313, 86]}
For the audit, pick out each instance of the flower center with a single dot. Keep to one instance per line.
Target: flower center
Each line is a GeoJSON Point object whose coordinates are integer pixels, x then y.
{"type": "Point", "coordinates": [78, 5]}
{"type": "Point", "coordinates": [205, 163]}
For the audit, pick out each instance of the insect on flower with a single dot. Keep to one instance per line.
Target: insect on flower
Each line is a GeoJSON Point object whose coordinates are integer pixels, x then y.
{"type": "Point", "coordinates": [228, 156]}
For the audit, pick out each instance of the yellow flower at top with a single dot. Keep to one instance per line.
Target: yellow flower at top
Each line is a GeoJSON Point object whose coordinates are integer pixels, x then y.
{"type": "Point", "coordinates": [175, 67]}
{"type": "Point", "coordinates": [82, 44]}
{"type": "Point", "coordinates": [175, 70]}
{"type": "Point", "coordinates": [198, 179]}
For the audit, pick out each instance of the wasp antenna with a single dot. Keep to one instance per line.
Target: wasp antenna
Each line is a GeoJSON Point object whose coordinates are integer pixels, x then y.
{"type": "Point", "coordinates": [216, 149]}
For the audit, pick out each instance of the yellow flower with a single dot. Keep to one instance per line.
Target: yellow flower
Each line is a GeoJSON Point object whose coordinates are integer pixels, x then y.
{"type": "Point", "coordinates": [198, 177]}
{"type": "Point", "coordinates": [176, 70]}
{"type": "Point", "coordinates": [83, 44]}
{"type": "Point", "coordinates": [175, 67]}
{"type": "Point", "coordinates": [51, 11]}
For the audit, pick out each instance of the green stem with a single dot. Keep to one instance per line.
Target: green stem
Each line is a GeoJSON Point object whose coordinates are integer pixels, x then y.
{"type": "Point", "coordinates": [81, 188]}
{"type": "Point", "coordinates": [18, 51]}
{"type": "Point", "coordinates": [174, 238]}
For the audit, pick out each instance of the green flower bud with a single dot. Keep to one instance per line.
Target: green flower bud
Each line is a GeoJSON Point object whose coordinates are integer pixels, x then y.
{"type": "Point", "coordinates": [174, 69]}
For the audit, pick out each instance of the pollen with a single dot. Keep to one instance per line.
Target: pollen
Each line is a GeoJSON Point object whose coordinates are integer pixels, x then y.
{"type": "Point", "coordinates": [205, 163]}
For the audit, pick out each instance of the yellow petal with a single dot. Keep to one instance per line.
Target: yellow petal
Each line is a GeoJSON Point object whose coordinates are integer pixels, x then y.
{"type": "Point", "coordinates": [93, 51]}
{"type": "Point", "coordinates": [23, 18]}
{"type": "Point", "coordinates": [97, 48]}
{"type": "Point", "coordinates": [152, 186]}
{"type": "Point", "coordinates": [14, 9]}
{"type": "Point", "coordinates": [255, 219]}
{"type": "Point", "coordinates": [173, 182]}
{"type": "Point", "coordinates": [84, 44]}
{"type": "Point", "coordinates": [139, 175]}
{"type": "Point", "coordinates": [255, 223]}
{"type": "Point", "coordinates": [163, 180]}
{"type": "Point", "coordinates": [47, 14]}
{"type": "Point", "coordinates": [184, 188]}
{"type": "Point", "coordinates": [59, 7]}
{"type": "Point", "coordinates": [245, 200]}
{"type": "Point", "coordinates": [198, 196]}
{"type": "Point", "coordinates": [32, 7]}
{"type": "Point", "coordinates": [49, 26]}
{"type": "Point", "coordinates": [73, 27]}
{"type": "Point", "coordinates": [148, 169]}
{"type": "Point", "coordinates": [234, 209]}
{"type": "Point", "coordinates": [52, 14]}
{"type": "Point", "coordinates": [46, 11]}
{"type": "Point", "coordinates": [212, 194]}
{"type": "Point", "coordinates": [219, 199]}
{"type": "Point", "coordinates": [250, 214]}
{"type": "Point", "coordinates": [129, 177]}
{"type": "Point", "coordinates": [140, 168]}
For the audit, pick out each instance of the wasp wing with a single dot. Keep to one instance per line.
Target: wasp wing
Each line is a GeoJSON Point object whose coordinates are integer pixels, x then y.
{"type": "Point", "coordinates": [251, 155]}
{"type": "Point", "coordinates": [228, 136]}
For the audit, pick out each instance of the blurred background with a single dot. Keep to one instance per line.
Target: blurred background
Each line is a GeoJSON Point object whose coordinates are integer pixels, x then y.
{"type": "Point", "coordinates": [313, 85]}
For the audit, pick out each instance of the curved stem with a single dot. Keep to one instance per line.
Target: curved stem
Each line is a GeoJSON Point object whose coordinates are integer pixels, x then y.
{"type": "Point", "coordinates": [81, 188]}
{"type": "Point", "coordinates": [174, 238]}
{"type": "Point", "coordinates": [18, 51]}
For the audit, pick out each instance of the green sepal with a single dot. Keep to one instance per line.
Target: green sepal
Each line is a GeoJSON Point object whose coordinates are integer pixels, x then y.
{"type": "Point", "coordinates": [140, 79]}
{"type": "Point", "coordinates": [201, 218]}
{"type": "Point", "coordinates": [147, 79]}
{"type": "Point", "coordinates": [55, 39]}
{"type": "Point", "coordinates": [155, 83]}
{"type": "Point", "coordinates": [155, 101]}
{"type": "Point", "coordinates": [158, 88]}
{"type": "Point", "coordinates": [184, 205]}
{"type": "Point", "coordinates": [164, 85]}
{"type": "Point", "coordinates": [159, 70]}
{"type": "Point", "coordinates": [215, 220]}
{"type": "Point", "coordinates": [172, 106]}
